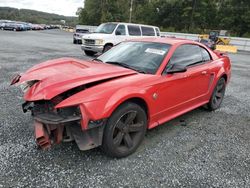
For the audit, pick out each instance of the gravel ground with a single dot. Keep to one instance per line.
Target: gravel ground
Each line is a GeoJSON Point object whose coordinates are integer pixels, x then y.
{"type": "Point", "coordinates": [213, 150]}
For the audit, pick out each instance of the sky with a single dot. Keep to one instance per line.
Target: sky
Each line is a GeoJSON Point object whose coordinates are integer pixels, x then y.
{"type": "Point", "coordinates": [62, 7]}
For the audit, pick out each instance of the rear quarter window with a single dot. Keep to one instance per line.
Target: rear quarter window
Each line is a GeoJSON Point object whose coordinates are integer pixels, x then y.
{"type": "Point", "coordinates": [134, 30]}
{"type": "Point", "coordinates": [205, 55]}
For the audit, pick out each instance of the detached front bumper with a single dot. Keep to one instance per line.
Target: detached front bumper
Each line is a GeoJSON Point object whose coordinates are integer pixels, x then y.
{"type": "Point", "coordinates": [63, 125]}
{"type": "Point", "coordinates": [51, 130]}
{"type": "Point", "coordinates": [94, 48]}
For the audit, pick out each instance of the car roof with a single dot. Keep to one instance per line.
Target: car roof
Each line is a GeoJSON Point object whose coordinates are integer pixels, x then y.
{"type": "Point", "coordinates": [173, 42]}
{"type": "Point", "coordinates": [166, 40]}
{"type": "Point", "coordinates": [132, 24]}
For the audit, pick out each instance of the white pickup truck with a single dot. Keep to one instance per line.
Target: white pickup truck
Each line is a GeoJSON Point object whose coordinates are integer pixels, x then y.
{"type": "Point", "coordinates": [109, 34]}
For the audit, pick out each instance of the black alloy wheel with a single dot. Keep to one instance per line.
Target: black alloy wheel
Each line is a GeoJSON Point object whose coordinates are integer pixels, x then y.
{"type": "Point", "coordinates": [125, 130]}
{"type": "Point", "coordinates": [218, 95]}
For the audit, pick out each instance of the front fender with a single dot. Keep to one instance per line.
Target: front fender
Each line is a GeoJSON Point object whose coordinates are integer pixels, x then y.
{"type": "Point", "coordinates": [125, 94]}
{"type": "Point", "coordinates": [102, 107]}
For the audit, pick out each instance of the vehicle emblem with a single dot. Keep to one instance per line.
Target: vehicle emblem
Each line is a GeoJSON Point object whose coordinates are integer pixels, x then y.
{"type": "Point", "coordinates": [155, 95]}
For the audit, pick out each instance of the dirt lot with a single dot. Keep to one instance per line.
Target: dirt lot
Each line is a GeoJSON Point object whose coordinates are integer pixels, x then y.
{"type": "Point", "coordinates": [213, 150]}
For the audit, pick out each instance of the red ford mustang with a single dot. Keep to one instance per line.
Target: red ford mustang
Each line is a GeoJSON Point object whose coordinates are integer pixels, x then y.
{"type": "Point", "coordinates": [112, 100]}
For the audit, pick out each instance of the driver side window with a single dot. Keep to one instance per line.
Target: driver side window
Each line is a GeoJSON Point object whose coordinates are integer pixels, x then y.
{"type": "Point", "coordinates": [186, 55]}
{"type": "Point", "coordinates": [120, 30]}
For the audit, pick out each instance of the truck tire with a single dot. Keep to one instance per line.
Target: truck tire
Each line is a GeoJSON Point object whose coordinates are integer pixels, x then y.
{"type": "Point", "coordinates": [107, 48]}
{"type": "Point", "coordinates": [89, 53]}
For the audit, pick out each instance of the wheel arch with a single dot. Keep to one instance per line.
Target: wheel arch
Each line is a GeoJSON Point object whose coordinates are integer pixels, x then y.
{"type": "Point", "coordinates": [137, 100]}
{"type": "Point", "coordinates": [224, 76]}
{"type": "Point", "coordinates": [109, 43]}
{"type": "Point", "coordinates": [223, 73]}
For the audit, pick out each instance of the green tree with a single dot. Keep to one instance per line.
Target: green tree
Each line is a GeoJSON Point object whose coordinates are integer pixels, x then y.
{"type": "Point", "coordinates": [173, 15]}
{"type": "Point", "coordinates": [91, 13]}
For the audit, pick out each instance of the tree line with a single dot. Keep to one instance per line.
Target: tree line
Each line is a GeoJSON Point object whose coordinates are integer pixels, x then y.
{"type": "Point", "coordinates": [33, 16]}
{"type": "Point", "coordinates": [192, 16]}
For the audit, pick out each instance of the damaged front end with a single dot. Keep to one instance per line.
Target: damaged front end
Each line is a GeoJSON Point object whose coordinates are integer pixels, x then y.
{"type": "Point", "coordinates": [55, 125]}
{"type": "Point", "coordinates": [49, 89]}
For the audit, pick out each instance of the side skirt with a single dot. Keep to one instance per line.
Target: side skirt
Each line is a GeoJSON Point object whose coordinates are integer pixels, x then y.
{"type": "Point", "coordinates": [176, 114]}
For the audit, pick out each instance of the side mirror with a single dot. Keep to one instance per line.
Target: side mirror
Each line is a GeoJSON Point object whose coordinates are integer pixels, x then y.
{"type": "Point", "coordinates": [177, 68]}
{"type": "Point", "coordinates": [118, 33]}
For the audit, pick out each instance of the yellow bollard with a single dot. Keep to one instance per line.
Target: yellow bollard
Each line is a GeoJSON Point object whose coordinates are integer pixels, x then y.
{"type": "Point", "coordinates": [226, 48]}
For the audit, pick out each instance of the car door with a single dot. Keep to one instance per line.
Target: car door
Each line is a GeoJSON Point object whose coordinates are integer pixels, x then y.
{"type": "Point", "coordinates": [184, 90]}
{"type": "Point", "coordinates": [120, 34]}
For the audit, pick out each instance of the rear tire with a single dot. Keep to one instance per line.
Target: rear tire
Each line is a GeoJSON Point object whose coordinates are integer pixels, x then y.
{"type": "Point", "coordinates": [125, 130]}
{"type": "Point", "coordinates": [89, 53]}
{"type": "Point", "coordinates": [74, 41]}
{"type": "Point", "coordinates": [218, 95]}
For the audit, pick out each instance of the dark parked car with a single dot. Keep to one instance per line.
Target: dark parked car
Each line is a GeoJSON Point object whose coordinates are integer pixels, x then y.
{"type": "Point", "coordinates": [14, 26]}
{"type": "Point", "coordinates": [27, 25]}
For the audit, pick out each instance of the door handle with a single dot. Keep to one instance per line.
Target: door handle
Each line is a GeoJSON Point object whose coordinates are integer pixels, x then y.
{"type": "Point", "coordinates": [204, 72]}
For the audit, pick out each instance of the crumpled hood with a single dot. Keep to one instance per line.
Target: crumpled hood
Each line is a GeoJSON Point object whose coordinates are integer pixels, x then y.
{"type": "Point", "coordinates": [59, 75]}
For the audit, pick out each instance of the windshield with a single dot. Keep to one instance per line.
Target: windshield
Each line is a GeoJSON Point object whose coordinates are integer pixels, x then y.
{"type": "Point", "coordinates": [107, 28]}
{"type": "Point", "coordinates": [143, 56]}
{"type": "Point", "coordinates": [82, 31]}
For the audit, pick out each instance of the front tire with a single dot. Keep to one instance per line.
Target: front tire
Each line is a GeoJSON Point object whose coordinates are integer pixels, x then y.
{"type": "Point", "coordinates": [107, 48]}
{"type": "Point", "coordinates": [89, 53]}
{"type": "Point", "coordinates": [125, 130]}
{"type": "Point", "coordinates": [218, 95]}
